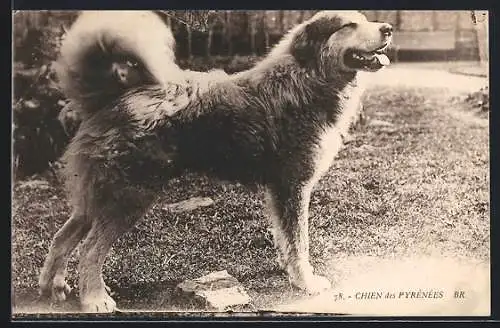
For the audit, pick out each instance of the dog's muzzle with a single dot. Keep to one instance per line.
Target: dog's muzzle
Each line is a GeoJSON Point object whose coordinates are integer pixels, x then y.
{"type": "Point", "coordinates": [367, 60]}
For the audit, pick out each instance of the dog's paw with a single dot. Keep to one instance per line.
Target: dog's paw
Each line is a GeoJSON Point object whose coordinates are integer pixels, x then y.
{"type": "Point", "coordinates": [313, 284]}
{"type": "Point", "coordinates": [98, 303]}
{"type": "Point", "coordinates": [60, 290]}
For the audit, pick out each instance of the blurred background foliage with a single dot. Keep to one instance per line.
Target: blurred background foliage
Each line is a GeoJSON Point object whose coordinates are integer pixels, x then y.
{"type": "Point", "coordinates": [231, 40]}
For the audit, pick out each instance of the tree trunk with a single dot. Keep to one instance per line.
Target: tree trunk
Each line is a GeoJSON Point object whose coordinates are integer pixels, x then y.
{"type": "Point", "coordinates": [398, 20]}
{"type": "Point", "coordinates": [229, 35]}
{"type": "Point", "coordinates": [266, 31]}
{"type": "Point", "coordinates": [301, 16]}
{"type": "Point", "coordinates": [253, 31]}
{"type": "Point", "coordinates": [434, 21]}
{"type": "Point", "coordinates": [281, 18]}
{"type": "Point", "coordinates": [190, 38]}
{"type": "Point", "coordinates": [481, 27]}
{"type": "Point", "coordinates": [209, 40]}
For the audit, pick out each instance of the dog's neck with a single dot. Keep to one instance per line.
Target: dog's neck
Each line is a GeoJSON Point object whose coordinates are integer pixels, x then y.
{"type": "Point", "coordinates": [283, 81]}
{"type": "Point", "coordinates": [343, 78]}
{"type": "Point", "coordinates": [277, 69]}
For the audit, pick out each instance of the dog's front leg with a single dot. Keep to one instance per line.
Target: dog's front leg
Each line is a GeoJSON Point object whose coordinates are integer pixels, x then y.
{"type": "Point", "coordinates": [288, 210]}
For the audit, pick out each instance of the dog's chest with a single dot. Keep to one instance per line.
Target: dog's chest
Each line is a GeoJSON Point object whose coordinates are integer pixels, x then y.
{"type": "Point", "coordinates": [327, 147]}
{"type": "Point", "coordinates": [329, 140]}
{"type": "Point", "coordinates": [348, 106]}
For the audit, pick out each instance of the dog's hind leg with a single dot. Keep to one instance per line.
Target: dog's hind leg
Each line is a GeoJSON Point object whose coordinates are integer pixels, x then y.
{"type": "Point", "coordinates": [110, 221]}
{"type": "Point", "coordinates": [93, 294]}
{"type": "Point", "coordinates": [288, 210]}
{"type": "Point", "coordinates": [52, 280]}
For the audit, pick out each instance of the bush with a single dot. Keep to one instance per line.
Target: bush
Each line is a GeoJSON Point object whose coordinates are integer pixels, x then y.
{"type": "Point", "coordinates": [480, 99]}
{"type": "Point", "coordinates": [39, 138]}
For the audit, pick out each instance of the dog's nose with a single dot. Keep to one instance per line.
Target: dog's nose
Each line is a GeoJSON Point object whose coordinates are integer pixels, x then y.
{"type": "Point", "coordinates": [386, 29]}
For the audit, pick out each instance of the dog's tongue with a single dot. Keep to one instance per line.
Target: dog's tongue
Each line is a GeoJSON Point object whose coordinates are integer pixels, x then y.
{"type": "Point", "coordinates": [382, 59]}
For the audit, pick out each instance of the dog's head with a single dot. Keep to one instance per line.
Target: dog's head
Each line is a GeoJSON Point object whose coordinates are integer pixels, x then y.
{"type": "Point", "coordinates": [342, 41]}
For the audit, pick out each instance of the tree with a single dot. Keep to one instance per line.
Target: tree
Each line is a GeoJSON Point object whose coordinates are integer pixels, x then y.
{"type": "Point", "coordinates": [480, 19]}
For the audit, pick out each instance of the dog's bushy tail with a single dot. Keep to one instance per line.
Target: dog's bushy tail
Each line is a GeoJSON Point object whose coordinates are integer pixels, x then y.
{"type": "Point", "coordinates": [99, 38]}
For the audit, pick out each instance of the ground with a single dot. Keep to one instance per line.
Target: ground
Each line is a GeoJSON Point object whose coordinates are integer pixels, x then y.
{"type": "Point", "coordinates": [414, 184]}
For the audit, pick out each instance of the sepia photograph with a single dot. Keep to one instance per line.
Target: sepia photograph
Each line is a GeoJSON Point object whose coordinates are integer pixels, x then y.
{"type": "Point", "coordinates": [250, 163]}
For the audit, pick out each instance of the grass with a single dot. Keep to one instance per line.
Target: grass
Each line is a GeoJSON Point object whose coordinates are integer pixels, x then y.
{"type": "Point", "coordinates": [418, 187]}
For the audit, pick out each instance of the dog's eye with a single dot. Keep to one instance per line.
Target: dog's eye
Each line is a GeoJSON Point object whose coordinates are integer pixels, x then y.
{"type": "Point", "coordinates": [351, 25]}
{"type": "Point", "coordinates": [126, 60]}
{"type": "Point", "coordinates": [131, 63]}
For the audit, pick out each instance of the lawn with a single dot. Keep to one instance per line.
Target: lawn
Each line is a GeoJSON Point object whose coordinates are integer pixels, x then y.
{"type": "Point", "coordinates": [415, 187]}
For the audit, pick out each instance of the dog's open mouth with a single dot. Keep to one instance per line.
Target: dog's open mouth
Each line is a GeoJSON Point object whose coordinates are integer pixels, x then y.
{"type": "Point", "coordinates": [370, 61]}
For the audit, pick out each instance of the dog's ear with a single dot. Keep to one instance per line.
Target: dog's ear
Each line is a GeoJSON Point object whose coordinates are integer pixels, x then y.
{"type": "Point", "coordinates": [309, 40]}
{"type": "Point", "coordinates": [321, 28]}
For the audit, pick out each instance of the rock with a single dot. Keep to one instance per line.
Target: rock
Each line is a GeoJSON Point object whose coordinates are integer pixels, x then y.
{"type": "Point", "coordinates": [34, 184]}
{"type": "Point", "coordinates": [217, 291]}
{"type": "Point", "coordinates": [189, 204]}
{"type": "Point", "coordinates": [378, 123]}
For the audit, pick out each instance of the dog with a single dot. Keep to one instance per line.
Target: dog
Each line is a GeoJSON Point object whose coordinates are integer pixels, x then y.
{"type": "Point", "coordinates": [278, 125]}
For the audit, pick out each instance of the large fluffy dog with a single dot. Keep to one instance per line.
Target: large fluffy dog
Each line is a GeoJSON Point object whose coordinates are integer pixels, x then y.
{"type": "Point", "coordinates": [278, 125]}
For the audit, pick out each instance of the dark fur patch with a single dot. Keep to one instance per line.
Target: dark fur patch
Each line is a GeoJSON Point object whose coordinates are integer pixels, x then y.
{"type": "Point", "coordinates": [308, 42]}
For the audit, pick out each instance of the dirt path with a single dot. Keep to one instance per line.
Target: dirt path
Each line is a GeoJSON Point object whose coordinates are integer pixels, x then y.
{"type": "Point", "coordinates": [422, 76]}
